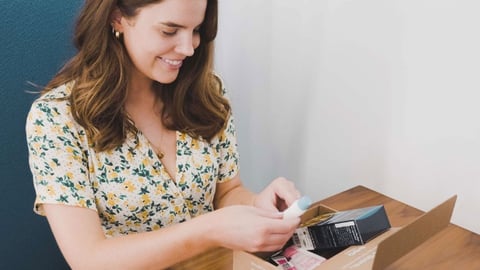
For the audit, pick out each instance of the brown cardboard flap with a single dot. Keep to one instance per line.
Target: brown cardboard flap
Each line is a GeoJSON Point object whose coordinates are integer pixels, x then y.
{"type": "Point", "coordinates": [413, 234]}
{"type": "Point", "coordinates": [314, 210]}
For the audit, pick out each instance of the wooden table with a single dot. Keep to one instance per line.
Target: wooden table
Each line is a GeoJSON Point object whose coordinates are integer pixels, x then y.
{"type": "Point", "coordinates": [452, 248]}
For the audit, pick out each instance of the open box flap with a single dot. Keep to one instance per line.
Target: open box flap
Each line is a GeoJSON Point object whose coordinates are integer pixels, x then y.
{"type": "Point", "coordinates": [414, 234]}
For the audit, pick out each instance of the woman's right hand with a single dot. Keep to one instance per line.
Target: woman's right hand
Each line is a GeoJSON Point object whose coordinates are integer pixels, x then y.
{"type": "Point", "coordinates": [252, 229]}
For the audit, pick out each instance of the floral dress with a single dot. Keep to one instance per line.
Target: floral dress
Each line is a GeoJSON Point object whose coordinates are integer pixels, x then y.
{"type": "Point", "coordinates": [128, 186]}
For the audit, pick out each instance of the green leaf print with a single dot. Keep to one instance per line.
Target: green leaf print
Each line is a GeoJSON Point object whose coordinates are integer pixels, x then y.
{"type": "Point", "coordinates": [63, 199]}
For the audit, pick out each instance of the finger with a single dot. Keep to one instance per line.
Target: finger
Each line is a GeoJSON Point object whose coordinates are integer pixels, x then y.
{"type": "Point", "coordinates": [286, 190]}
{"type": "Point", "coordinates": [275, 242]}
{"type": "Point", "coordinates": [271, 214]}
{"type": "Point", "coordinates": [282, 226]}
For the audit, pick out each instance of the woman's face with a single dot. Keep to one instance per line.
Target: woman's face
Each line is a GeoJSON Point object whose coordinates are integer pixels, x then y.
{"type": "Point", "coordinates": [161, 36]}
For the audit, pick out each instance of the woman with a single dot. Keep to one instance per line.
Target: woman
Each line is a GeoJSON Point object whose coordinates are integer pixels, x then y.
{"type": "Point", "coordinates": [132, 144]}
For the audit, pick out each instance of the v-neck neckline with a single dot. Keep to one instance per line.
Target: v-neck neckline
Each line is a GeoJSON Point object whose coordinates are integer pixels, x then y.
{"type": "Point", "coordinates": [148, 149]}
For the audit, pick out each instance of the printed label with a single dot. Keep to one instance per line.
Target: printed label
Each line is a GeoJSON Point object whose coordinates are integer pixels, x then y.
{"type": "Point", "coordinates": [303, 239]}
{"type": "Point", "coordinates": [345, 224]}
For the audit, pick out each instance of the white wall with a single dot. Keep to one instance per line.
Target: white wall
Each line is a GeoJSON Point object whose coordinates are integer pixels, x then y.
{"type": "Point", "coordinates": [333, 94]}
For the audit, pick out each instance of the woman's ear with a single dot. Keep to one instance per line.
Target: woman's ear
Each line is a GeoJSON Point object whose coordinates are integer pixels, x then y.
{"type": "Point", "coordinates": [116, 20]}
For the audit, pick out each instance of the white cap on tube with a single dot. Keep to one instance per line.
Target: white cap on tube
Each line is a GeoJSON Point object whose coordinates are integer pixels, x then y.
{"type": "Point", "coordinates": [298, 207]}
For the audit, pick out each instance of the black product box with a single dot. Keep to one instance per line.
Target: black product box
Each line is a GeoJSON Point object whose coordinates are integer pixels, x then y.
{"type": "Point", "coordinates": [342, 229]}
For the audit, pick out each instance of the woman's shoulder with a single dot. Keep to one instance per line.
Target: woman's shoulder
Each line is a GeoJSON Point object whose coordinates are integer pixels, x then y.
{"type": "Point", "coordinates": [53, 104]}
{"type": "Point", "coordinates": [58, 93]}
{"type": "Point", "coordinates": [51, 115]}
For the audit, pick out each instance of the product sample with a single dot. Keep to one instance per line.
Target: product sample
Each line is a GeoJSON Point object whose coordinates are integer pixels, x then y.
{"type": "Point", "coordinates": [298, 207]}
{"type": "Point", "coordinates": [342, 229]}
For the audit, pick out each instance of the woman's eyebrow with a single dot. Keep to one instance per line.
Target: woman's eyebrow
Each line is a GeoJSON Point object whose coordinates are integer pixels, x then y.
{"type": "Point", "coordinates": [172, 24]}
{"type": "Point", "coordinates": [176, 25]}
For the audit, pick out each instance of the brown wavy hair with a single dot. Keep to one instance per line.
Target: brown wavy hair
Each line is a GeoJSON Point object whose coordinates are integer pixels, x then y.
{"type": "Point", "coordinates": [193, 103]}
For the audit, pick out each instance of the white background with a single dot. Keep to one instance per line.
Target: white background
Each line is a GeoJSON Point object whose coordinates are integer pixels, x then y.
{"type": "Point", "coordinates": [334, 94]}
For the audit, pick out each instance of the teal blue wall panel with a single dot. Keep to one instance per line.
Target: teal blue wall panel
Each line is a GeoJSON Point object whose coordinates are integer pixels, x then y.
{"type": "Point", "coordinates": [35, 41]}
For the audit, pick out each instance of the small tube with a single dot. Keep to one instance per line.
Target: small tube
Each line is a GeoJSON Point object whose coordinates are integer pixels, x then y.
{"type": "Point", "coordinates": [297, 208]}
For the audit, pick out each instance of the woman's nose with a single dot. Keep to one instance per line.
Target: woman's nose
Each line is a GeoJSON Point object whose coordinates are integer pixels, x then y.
{"type": "Point", "coordinates": [186, 45]}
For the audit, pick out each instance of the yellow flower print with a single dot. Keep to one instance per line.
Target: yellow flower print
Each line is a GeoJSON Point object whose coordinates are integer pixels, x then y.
{"type": "Point", "coordinates": [79, 187]}
{"type": "Point", "coordinates": [129, 156]}
{"type": "Point", "coordinates": [82, 203]}
{"type": "Point", "coordinates": [112, 175]}
{"type": "Point", "coordinates": [38, 130]}
{"type": "Point", "coordinates": [160, 190]}
{"type": "Point", "coordinates": [143, 215]}
{"type": "Point", "coordinates": [69, 125]}
{"type": "Point", "coordinates": [182, 179]}
{"type": "Point", "coordinates": [208, 161]}
{"type": "Point", "coordinates": [155, 227]}
{"type": "Point", "coordinates": [205, 177]}
{"type": "Point", "coordinates": [109, 217]}
{"type": "Point", "coordinates": [111, 199]}
{"type": "Point", "coordinates": [69, 175]}
{"type": "Point", "coordinates": [54, 113]}
{"type": "Point", "coordinates": [163, 205]}
{"type": "Point", "coordinates": [146, 199]}
{"type": "Point", "coordinates": [77, 157]}
{"type": "Point", "coordinates": [52, 164]}
{"type": "Point", "coordinates": [36, 145]}
{"type": "Point", "coordinates": [155, 173]}
{"type": "Point", "coordinates": [195, 144]}
{"type": "Point", "coordinates": [51, 191]}
{"type": "Point", "coordinates": [56, 129]}
{"type": "Point", "coordinates": [129, 186]}
{"type": "Point", "coordinates": [182, 137]}
{"type": "Point", "coordinates": [195, 188]}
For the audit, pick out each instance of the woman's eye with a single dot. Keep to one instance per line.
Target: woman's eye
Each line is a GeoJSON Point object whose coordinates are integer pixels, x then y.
{"type": "Point", "coordinates": [169, 33]}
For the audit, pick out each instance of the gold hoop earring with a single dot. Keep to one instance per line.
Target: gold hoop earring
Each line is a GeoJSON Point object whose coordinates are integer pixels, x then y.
{"type": "Point", "coordinates": [115, 33]}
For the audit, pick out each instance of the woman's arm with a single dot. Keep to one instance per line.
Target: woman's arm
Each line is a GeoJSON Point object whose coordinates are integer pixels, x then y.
{"type": "Point", "coordinates": [233, 192]}
{"type": "Point", "coordinates": [80, 237]}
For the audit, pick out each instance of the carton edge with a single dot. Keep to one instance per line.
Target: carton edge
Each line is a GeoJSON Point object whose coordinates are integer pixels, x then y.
{"type": "Point", "coordinates": [424, 227]}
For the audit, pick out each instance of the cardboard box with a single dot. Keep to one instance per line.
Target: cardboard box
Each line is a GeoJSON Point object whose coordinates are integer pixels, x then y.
{"type": "Point", "coordinates": [376, 254]}
{"type": "Point", "coordinates": [342, 229]}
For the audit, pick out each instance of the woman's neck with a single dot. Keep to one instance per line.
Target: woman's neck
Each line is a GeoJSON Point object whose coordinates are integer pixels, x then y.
{"type": "Point", "coordinates": [140, 94]}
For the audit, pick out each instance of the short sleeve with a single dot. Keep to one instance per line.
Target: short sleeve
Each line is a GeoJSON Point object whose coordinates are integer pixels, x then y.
{"type": "Point", "coordinates": [227, 146]}
{"type": "Point", "coordinates": [228, 153]}
{"type": "Point", "coordinates": [57, 158]}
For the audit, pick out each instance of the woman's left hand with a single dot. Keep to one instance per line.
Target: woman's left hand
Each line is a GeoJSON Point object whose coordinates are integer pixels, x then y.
{"type": "Point", "coordinates": [278, 195]}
